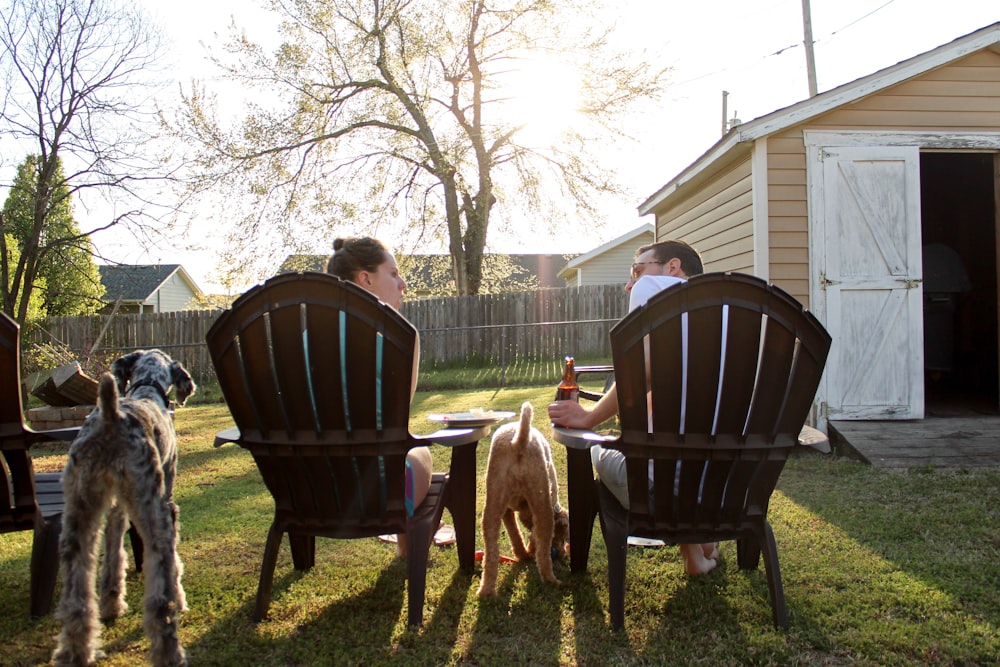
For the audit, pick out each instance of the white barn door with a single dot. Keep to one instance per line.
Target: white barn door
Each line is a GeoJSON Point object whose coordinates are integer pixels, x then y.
{"type": "Point", "coordinates": [867, 268]}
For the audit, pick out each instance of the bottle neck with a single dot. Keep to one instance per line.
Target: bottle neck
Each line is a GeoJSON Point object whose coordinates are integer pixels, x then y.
{"type": "Point", "coordinates": [569, 375]}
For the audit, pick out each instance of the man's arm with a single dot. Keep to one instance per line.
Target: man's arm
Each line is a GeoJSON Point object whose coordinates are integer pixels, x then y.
{"type": "Point", "coordinates": [571, 414]}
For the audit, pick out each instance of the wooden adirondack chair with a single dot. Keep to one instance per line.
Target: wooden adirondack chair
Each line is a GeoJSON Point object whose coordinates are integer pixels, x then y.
{"type": "Point", "coordinates": [28, 501]}
{"type": "Point", "coordinates": [718, 414]}
{"type": "Point", "coordinates": [317, 374]}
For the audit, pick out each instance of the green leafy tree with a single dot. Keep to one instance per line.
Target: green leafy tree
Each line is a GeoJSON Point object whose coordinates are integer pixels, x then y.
{"type": "Point", "coordinates": [66, 280]}
{"type": "Point", "coordinates": [374, 112]}
{"type": "Point", "coordinates": [77, 83]}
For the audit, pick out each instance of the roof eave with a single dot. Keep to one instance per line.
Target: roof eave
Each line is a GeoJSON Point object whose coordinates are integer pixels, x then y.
{"type": "Point", "coordinates": [605, 247]}
{"type": "Point", "coordinates": [800, 112]}
{"type": "Point", "coordinates": [695, 169]}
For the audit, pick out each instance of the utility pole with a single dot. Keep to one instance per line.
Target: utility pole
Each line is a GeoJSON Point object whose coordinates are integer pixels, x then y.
{"type": "Point", "coordinates": [725, 112]}
{"type": "Point", "coordinates": [808, 42]}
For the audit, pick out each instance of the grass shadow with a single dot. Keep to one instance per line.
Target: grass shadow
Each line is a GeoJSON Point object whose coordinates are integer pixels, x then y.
{"type": "Point", "coordinates": [524, 609]}
{"type": "Point", "coordinates": [915, 550]}
{"type": "Point", "coordinates": [308, 628]}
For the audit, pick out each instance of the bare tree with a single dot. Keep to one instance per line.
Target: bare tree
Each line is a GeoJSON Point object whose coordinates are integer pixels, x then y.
{"type": "Point", "coordinates": [77, 91]}
{"type": "Point", "coordinates": [370, 112]}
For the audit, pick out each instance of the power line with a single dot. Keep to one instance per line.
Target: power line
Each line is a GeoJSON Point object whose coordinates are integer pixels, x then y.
{"type": "Point", "coordinates": [783, 49]}
{"type": "Point", "coordinates": [877, 9]}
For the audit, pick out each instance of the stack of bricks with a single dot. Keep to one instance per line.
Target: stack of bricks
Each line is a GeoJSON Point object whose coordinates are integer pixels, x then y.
{"type": "Point", "coordinates": [50, 417]}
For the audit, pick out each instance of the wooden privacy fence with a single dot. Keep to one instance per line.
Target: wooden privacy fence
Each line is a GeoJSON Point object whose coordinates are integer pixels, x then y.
{"type": "Point", "coordinates": [486, 329]}
{"type": "Point", "coordinates": [496, 329]}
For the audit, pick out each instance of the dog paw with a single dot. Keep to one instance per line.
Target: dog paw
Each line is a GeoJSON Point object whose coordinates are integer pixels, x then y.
{"type": "Point", "coordinates": [111, 609]}
{"type": "Point", "coordinates": [65, 657]}
{"type": "Point", "coordinates": [486, 591]}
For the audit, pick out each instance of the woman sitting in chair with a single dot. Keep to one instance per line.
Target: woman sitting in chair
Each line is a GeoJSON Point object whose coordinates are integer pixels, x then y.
{"type": "Point", "coordinates": [366, 262]}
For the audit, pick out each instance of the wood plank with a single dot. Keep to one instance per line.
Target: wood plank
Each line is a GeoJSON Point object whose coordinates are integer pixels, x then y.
{"type": "Point", "coordinates": [907, 119]}
{"type": "Point", "coordinates": [72, 383]}
{"type": "Point", "coordinates": [47, 391]}
{"type": "Point", "coordinates": [927, 103]}
{"type": "Point", "coordinates": [940, 442]}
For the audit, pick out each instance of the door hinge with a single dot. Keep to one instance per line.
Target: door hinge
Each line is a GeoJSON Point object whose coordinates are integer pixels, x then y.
{"type": "Point", "coordinates": [910, 283]}
{"type": "Point", "coordinates": [824, 282]}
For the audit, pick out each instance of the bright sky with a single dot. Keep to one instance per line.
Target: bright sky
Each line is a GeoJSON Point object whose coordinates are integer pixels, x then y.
{"type": "Point", "coordinates": [750, 48]}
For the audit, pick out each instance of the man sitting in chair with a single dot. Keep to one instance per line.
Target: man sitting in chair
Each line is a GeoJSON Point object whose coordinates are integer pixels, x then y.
{"type": "Point", "coordinates": [656, 267]}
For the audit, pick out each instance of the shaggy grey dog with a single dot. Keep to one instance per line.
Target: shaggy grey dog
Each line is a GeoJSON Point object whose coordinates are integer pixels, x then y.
{"type": "Point", "coordinates": [122, 466]}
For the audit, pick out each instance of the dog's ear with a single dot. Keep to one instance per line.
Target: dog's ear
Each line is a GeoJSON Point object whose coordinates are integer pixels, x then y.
{"type": "Point", "coordinates": [122, 369]}
{"type": "Point", "coordinates": [183, 384]}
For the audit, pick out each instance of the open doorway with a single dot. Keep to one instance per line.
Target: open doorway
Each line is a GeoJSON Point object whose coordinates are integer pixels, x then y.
{"type": "Point", "coordinates": [959, 220]}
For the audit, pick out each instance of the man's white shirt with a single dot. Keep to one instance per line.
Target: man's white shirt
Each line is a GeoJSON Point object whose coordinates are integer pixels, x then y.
{"type": "Point", "coordinates": [646, 286]}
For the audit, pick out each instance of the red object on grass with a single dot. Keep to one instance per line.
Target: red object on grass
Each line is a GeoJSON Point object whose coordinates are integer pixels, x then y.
{"type": "Point", "coordinates": [503, 559]}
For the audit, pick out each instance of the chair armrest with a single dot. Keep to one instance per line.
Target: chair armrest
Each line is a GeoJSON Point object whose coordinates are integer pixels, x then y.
{"type": "Point", "coordinates": [226, 436]}
{"type": "Point", "coordinates": [67, 434]}
{"type": "Point", "coordinates": [597, 369]}
{"type": "Point", "coordinates": [575, 438]}
{"type": "Point", "coordinates": [454, 437]}
{"type": "Point", "coordinates": [449, 437]}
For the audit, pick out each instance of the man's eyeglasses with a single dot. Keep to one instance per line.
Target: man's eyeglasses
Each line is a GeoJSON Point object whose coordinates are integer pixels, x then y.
{"type": "Point", "coordinates": [635, 268]}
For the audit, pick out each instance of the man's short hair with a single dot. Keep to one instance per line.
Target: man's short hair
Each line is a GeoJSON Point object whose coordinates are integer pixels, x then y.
{"type": "Point", "coordinates": [664, 251]}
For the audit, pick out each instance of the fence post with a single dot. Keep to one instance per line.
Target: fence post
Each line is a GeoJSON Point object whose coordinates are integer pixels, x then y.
{"type": "Point", "coordinates": [503, 356]}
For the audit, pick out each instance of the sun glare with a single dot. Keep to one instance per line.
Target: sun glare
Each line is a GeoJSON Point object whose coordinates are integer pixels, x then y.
{"type": "Point", "coordinates": [543, 95]}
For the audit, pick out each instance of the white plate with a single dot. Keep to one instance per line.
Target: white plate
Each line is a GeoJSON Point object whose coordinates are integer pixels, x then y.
{"type": "Point", "coordinates": [469, 419]}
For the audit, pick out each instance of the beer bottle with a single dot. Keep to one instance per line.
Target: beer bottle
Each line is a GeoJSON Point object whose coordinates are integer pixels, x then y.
{"type": "Point", "coordinates": [568, 389]}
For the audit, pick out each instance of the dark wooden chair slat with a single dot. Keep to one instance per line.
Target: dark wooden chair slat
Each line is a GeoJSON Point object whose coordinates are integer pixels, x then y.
{"type": "Point", "coordinates": [317, 374]}
{"type": "Point", "coordinates": [27, 501]}
{"type": "Point", "coordinates": [718, 433]}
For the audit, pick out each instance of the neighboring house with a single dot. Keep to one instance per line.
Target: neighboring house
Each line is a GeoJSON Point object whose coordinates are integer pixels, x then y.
{"type": "Point", "coordinates": [607, 264]}
{"type": "Point", "coordinates": [842, 200]}
{"type": "Point", "coordinates": [148, 288]}
{"type": "Point", "coordinates": [430, 275]}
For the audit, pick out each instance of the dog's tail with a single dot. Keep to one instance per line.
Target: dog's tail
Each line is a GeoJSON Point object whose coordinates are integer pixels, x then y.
{"type": "Point", "coordinates": [107, 398]}
{"type": "Point", "coordinates": [524, 428]}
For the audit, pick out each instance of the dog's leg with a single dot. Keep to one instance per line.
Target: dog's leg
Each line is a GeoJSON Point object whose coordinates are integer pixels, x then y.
{"type": "Point", "coordinates": [79, 639]}
{"type": "Point", "coordinates": [162, 601]}
{"type": "Point", "coordinates": [524, 514]}
{"type": "Point", "coordinates": [178, 565]}
{"type": "Point", "coordinates": [491, 541]}
{"type": "Point", "coordinates": [541, 534]}
{"type": "Point", "coordinates": [169, 474]}
{"type": "Point", "coordinates": [112, 581]}
{"type": "Point", "coordinates": [514, 533]}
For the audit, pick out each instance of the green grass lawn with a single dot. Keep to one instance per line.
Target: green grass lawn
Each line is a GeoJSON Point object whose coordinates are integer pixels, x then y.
{"type": "Point", "coordinates": [879, 567]}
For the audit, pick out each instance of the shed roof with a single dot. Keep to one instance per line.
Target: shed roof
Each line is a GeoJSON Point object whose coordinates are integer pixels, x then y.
{"type": "Point", "coordinates": [579, 260]}
{"type": "Point", "coordinates": [738, 141]}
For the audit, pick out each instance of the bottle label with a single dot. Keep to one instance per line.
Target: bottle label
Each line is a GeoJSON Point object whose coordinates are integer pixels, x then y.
{"type": "Point", "coordinates": [565, 394]}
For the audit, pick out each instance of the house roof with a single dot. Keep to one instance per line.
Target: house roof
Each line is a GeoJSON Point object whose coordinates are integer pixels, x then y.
{"type": "Point", "coordinates": [576, 262]}
{"type": "Point", "coordinates": [427, 271]}
{"type": "Point", "coordinates": [135, 283]}
{"type": "Point", "coordinates": [739, 140]}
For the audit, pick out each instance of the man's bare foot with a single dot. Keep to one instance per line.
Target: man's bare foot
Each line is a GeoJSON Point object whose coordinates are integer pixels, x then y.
{"type": "Point", "coordinates": [401, 545]}
{"type": "Point", "coordinates": [710, 549]}
{"type": "Point", "coordinates": [695, 562]}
